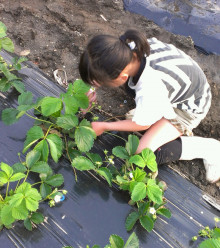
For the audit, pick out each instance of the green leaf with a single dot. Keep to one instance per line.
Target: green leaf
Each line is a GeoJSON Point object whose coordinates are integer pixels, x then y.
{"type": "Point", "coordinates": [23, 188]}
{"type": "Point", "coordinates": [67, 121]}
{"type": "Point", "coordinates": [106, 174]}
{"type": "Point", "coordinates": [50, 105]}
{"type": "Point", "coordinates": [132, 241]}
{"type": "Point", "coordinates": [7, 44]}
{"type": "Point", "coordinates": [45, 190]}
{"type": "Point", "coordinates": [210, 243]}
{"type": "Point", "coordinates": [40, 167]}
{"type": "Point", "coordinates": [20, 212]}
{"type": "Point", "coordinates": [116, 241]}
{"type": "Point", "coordinates": [19, 86]}
{"type": "Point", "coordinates": [55, 180]}
{"type": "Point", "coordinates": [131, 220]}
{"type": "Point", "coordinates": [32, 157]}
{"type": "Point", "coordinates": [84, 136]}
{"type": "Point", "coordinates": [7, 169]}
{"type": "Point", "coordinates": [16, 199]}
{"type": "Point", "coordinates": [4, 84]}
{"type": "Point", "coordinates": [81, 163]}
{"type": "Point", "coordinates": [138, 160]}
{"type": "Point", "coordinates": [120, 152]}
{"type": "Point", "coordinates": [94, 157]}
{"type": "Point", "coordinates": [3, 178]}
{"type": "Point", "coordinates": [139, 192]}
{"type": "Point", "coordinates": [165, 212]}
{"type": "Point", "coordinates": [82, 100]}
{"type": "Point", "coordinates": [25, 98]}
{"type": "Point", "coordinates": [139, 175]}
{"type": "Point", "coordinates": [143, 207]}
{"type": "Point", "coordinates": [19, 167]}
{"type": "Point", "coordinates": [31, 204]}
{"type": "Point", "coordinates": [9, 116]}
{"type": "Point", "coordinates": [71, 105]}
{"type": "Point", "coordinates": [56, 146]}
{"type": "Point", "coordinates": [16, 177]}
{"type": "Point", "coordinates": [154, 192]}
{"type": "Point", "coordinates": [216, 233]}
{"type": "Point", "coordinates": [27, 224]}
{"type": "Point", "coordinates": [132, 144]}
{"type": "Point", "coordinates": [6, 215]}
{"type": "Point", "coordinates": [43, 148]}
{"type": "Point", "coordinates": [37, 218]}
{"type": "Point", "coordinates": [80, 87]}
{"type": "Point", "coordinates": [150, 159]}
{"type": "Point", "coordinates": [3, 30]}
{"type": "Point", "coordinates": [33, 135]}
{"type": "Point", "coordinates": [147, 223]}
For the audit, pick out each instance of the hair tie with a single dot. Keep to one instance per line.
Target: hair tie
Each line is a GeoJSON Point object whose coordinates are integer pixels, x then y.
{"type": "Point", "coordinates": [131, 44]}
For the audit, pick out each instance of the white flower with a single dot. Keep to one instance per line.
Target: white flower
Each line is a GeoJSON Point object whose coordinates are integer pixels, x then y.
{"type": "Point", "coordinates": [111, 161]}
{"type": "Point", "coordinates": [131, 175]}
{"type": "Point", "coordinates": [152, 211]}
{"type": "Point", "coordinates": [57, 198]}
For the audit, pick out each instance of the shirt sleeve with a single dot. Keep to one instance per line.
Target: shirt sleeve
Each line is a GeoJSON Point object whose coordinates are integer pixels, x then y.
{"type": "Point", "coordinates": [152, 103]}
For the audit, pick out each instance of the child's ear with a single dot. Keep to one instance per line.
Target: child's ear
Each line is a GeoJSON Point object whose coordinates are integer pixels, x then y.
{"type": "Point", "coordinates": [96, 84]}
{"type": "Point", "coordinates": [124, 76]}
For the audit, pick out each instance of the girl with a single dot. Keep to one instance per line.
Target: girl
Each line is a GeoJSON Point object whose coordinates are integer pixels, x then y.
{"type": "Point", "coordinates": [172, 93]}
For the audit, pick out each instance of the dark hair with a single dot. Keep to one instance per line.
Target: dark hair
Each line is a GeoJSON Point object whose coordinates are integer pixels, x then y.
{"type": "Point", "coordinates": [106, 56]}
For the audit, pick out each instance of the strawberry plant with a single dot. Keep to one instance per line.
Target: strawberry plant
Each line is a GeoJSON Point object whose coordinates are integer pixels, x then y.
{"type": "Point", "coordinates": [21, 200]}
{"type": "Point", "coordinates": [7, 78]}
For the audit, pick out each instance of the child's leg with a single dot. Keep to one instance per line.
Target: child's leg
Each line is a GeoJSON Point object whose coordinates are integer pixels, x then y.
{"type": "Point", "coordinates": [158, 134]}
{"type": "Point", "coordinates": [207, 149]}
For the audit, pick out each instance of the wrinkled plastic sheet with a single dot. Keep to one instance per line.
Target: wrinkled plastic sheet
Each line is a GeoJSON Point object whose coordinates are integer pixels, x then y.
{"type": "Point", "coordinates": [92, 211]}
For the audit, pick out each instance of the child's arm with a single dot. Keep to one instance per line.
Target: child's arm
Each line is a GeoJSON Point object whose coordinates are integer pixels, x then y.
{"type": "Point", "coordinates": [124, 125]}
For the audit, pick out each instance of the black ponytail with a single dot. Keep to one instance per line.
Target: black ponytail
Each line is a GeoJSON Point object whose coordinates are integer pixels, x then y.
{"type": "Point", "coordinates": [106, 56]}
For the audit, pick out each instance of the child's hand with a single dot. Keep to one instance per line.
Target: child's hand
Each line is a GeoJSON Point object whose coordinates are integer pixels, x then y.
{"type": "Point", "coordinates": [99, 127]}
{"type": "Point", "coordinates": [92, 98]}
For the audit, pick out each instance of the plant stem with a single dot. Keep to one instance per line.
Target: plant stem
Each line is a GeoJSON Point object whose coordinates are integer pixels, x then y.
{"type": "Point", "coordinates": [48, 130]}
{"type": "Point", "coordinates": [36, 183]}
{"type": "Point", "coordinates": [113, 117]}
{"type": "Point", "coordinates": [39, 119]}
{"type": "Point", "coordinates": [7, 189]}
{"type": "Point", "coordinates": [26, 175]}
{"type": "Point", "coordinates": [116, 136]}
{"type": "Point", "coordinates": [1, 197]}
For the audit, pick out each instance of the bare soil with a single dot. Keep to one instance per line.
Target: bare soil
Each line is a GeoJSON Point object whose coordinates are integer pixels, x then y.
{"type": "Point", "coordinates": [56, 32]}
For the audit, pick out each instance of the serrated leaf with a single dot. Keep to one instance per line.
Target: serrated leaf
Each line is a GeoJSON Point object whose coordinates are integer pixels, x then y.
{"type": "Point", "coordinates": [23, 188]}
{"type": "Point", "coordinates": [43, 148]}
{"type": "Point", "coordinates": [32, 157]}
{"type": "Point", "coordinates": [67, 121]}
{"type": "Point", "coordinates": [20, 212]}
{"type": "Point", "coordinates": [9, 116]}
{"type": "Point", "coordinates": [19, 86]}
{"type": "Point", "coordinates": [56, 146]}
{"type": "Point", "coordinates": [216, 233]}
{"type": "Point", "coordinates": [116, 241]}
{"type": "Point", "coordinates": [132, 241]}
{"type": "Point", "coordinates": [50, 105]}
{"type": "Point", "coordinates": [16, 177]}
{"type": "Point", "coordinates": [3, 30]}
{"type": "Point", "coordinates": [138, 160]}
{"type": "Point", "coordinates": [6, 215]}
{"type": "Point", "coordinates": [120, 152]}
{"type": "Point", "coordinates": [210, 243]}
{"type": "Point", "coordinates": [27, 224]}
{"type": "Point", "coordinates": [94, 157]}
{"type": "Point", "coordinates": [154, 192]}
{"type": "Point", "coordinates": [55, 180]}
{"type": "Point", "coordinates": [45, 190]}
{"type": "Point", "coordinates": [81, 163]}
{"type": "Point", "coordinates": [33, 135]}
{"type": "Point", "coordinates": [165, 212]}
{"type": "Point", "coordinates": [82, 100]}
{"type": "Point", "coordinates": [7, 44]}
{"type": "Point", "coordinates": [19, 167]}
{"type": "Point", "coordinates": [37, 218]}
{"type": "Point", "coordinates": [31, 204]}
{"type": "Point", "coordinates": [139, 175]}
{"type": "Point", "coordinates": [7, 169]}
{"type": "Point", "coordinates": [40, 167]}
{"type": "Point", "coordinates": [143, 207]}
{"type": "Point", "coordinates": [16, 199]}
{"type": "Point", "coordinates": [80, 87]}
{"type": "Point", "coordinates": [106, 174]}
{"type": "Point", "coordinates": [139, 192]}
{"type": "Point", "coordinates": [131, 220]}
{"type": "Point", "coordinates": [147, 223]}
{"type": "Point", "coordinates": [132, 144]}
{"type": "Point", "coordinates": [150, 159]}
{"type": "Point", "coordinates": [25, 98]}
{"type": "Point", "coordinates": [71, 105]}
{"type": "Point", "coordinates": [84, 136]}
{"type": "Point", "coordinates": [3, 177]}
